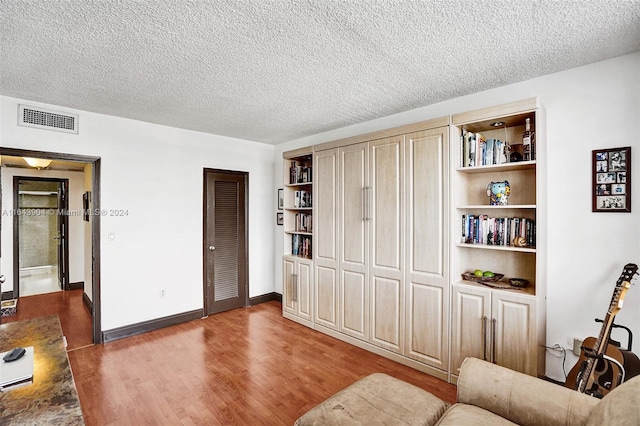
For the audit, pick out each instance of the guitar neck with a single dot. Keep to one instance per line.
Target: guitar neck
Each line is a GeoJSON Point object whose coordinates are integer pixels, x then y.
{"type": "Point", "coordinates": [600, 346]}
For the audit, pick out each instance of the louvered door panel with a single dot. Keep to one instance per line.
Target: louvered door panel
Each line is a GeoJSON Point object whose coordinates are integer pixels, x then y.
{"type": "Point", "coordinates": [226, 241]}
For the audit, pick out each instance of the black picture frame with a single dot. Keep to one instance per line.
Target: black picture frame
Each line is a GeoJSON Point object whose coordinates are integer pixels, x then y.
{"type": "Point", "coordinates": [86, 205]}
{"type": "Point", "coordinates": [280, 199]}
{"type": "Point", "coordinates": [279, 219]}
{"type": "Point", "coordinates": [611, 180]}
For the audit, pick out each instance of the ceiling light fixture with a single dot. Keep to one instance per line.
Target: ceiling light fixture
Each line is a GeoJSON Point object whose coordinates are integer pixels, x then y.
{"type": "Point", "coordinates": [39, 163]}
{"type": "Point", "coordinates": [498, 124]}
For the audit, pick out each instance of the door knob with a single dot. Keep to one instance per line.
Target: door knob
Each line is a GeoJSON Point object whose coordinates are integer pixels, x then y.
{"type": "Point", "coordinates": [2, 279]}
{"type": "Point", "coordinates": [211, 248]}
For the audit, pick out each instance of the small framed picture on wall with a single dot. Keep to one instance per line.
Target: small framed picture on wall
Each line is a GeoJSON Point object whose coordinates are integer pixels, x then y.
{"type": "Point", "coordinates": [611, 181]}
{"type": "Point", "coordinates": [280, 199]}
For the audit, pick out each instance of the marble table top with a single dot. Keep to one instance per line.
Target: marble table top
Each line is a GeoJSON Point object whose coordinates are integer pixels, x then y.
{"type": "Point", "coordinates": [52, 398]}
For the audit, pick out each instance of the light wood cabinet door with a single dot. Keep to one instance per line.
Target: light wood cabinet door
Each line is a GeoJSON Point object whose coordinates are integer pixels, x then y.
{"type": "Point", "coordinates": [515, 335]}
{"type": "Point", "coordinates": [470, 325]}
{"type": "Point", "coordinates": [305, 287]}
{"type": "Point", "coordinates": [497, 326]}
{"type": "Point", "coordinates": [288, 296]}
{"type": "Point", "coordinates": [325, 226]}
{"type": "Point", "coordinates": [385, 201]}
{"type": "Point", "coordinates": [354, 248]}
{"type": "Point", "coordinates": [298, 285]}
{"type": "Point", "coordinates": [427, 255]}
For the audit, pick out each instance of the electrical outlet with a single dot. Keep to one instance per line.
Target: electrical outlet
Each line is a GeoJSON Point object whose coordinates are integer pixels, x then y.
{"type": "Point", "coordinates": [577, 343]}
{"type": "Point", "coordinates": [163, 292]}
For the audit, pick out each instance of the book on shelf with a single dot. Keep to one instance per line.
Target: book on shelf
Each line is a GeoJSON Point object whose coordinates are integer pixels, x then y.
{"type": "Point", "coordinates": [528, 142]}
{"type": "Point", "coordinates": [481, 147]}
{"type": "Point", "coordinates": [300, 173]}
{"type": "Point", "coordinates": [500, 231]}
{"type": "Point", "coordinates": [302, 199]}
{"type": "Point", "coordinates": [303, 222]}
{"type": "Point", "coordinates": [301, 245]}
{"type": "Point", "coordinates": [470, 140]}
{"type": "Point", "coordinates": [480, 151]}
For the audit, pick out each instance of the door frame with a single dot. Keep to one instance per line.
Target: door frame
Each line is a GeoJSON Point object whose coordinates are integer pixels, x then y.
{"type": "Point", "coordinates": [16, 230]}
{"type": "Point", "coordinates": [96, 315]}
{"type": "Point", "coordinates": [205, 243]}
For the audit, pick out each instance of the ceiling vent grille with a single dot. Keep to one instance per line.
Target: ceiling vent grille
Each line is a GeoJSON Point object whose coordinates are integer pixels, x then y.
{"type": "Point", "coordinates": [46, 119]}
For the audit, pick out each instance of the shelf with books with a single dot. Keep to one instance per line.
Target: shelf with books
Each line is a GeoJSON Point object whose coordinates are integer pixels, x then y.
{"type": "Point", "coordinates": [520, 165]}
{"type": "Point", "coordinates": [507, 207]}
{"type": "Point", "coordinates": [487, 231]}
{"type": "Point", "coordinates": [298, 204]}
{"type": "Point", "coordinates": [497, 141]}
{"type": "Point", "coordinates": [492, 247]}
{"type": "Point", "coordinates": [301, 245]}
{"type": "Point", "coordinates": [488, 149]}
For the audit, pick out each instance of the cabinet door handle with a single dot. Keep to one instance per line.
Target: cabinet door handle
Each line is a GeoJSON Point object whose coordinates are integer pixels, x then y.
{"type": "Point", "coordinates": [364, 204]}
{"type": "Point", "coordinates": [493, 339]}
{"type": "Point", "coordinates": [484, 338]}
{"type": "Point", "coordinates": [368, 204]}
{"type": "Point", "coordinates": [294, 293]}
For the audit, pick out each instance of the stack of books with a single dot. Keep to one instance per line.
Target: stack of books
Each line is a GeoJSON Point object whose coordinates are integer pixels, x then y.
{"type": "Point", "coordinates": [480, 151]}
{"type": "Point", "coordinates": [497, 231]}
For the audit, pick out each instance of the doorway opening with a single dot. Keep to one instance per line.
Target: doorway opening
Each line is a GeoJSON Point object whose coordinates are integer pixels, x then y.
{"type": "Point", "coordinates": [91, 168]}
{"type": "Point", "coordinates": [41, 244]}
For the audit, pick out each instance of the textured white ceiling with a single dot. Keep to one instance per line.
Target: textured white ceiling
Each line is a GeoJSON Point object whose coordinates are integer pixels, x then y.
{"type": "Point", "coordinates": [277, 70]}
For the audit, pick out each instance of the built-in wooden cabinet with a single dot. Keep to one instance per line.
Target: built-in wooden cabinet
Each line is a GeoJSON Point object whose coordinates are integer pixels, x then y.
{"type": "Point", "coordinates": [298, 273]}
{"type": "Point", "coordinates": [327, 271]}
{"type": "Point", "coordinates": [298, 286]}
{"type": "Point", "coordinates": [427, 247]}
{"type": "Point", "coordinates": [515, 329]}
{"type": "Point", "coordinates": [385, 211]}
{"type": "Point", "coordinates": [353, 242]}
{"type": "Point", "coordinates": [298, 204]}
{"type": "Point", "coordinates": [497, 326]}
{"type": "Point", "coordinates": [387, 199]}
{"type": "Point", "coordinates": [389, 251]}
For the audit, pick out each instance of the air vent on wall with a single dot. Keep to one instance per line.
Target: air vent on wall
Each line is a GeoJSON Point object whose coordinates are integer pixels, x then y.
{"type": "Point", "coordinates": [46, 119]}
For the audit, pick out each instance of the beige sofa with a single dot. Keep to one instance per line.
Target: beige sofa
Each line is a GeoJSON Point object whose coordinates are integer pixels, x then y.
{"type": "Point", "coordinates": [487, 395]}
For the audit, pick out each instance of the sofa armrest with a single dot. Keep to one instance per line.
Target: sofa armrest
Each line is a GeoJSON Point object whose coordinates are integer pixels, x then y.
{"type": "Point", "coordinates": [521, 398]}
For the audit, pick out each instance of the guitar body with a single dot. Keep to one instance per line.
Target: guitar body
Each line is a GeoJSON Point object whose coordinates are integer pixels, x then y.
{"type": "Point", "coordinates": [631, 364]}
{"type": "Point", "coordinates": [605, 375]}
{"type": "Point", "coordinates": [594, 374]}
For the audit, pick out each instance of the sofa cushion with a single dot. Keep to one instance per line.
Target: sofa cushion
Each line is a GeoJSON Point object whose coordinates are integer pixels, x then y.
{"type": "Point", "coordinates": [464, 414]}
{"type": "Point", "coordinates": [377, 399]}
{"type": "Point", "coordinates": [620, 407]}
{"type": "Point", "coordinates": [522, 399]}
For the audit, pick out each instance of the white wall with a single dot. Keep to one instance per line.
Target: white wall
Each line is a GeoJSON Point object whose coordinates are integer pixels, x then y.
{"type": "Point", "coordinates": [155, 173]}
{"type": "Point", "coordinates": [76, 228]}
{"type": "Point", "coordinates": [590, 107]}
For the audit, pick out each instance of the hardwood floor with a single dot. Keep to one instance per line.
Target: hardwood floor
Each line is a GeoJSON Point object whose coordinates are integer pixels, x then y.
{"type": "Point", "coordinates": [248, 366]}
{"type": "Point", "coordinates": [75, 318]}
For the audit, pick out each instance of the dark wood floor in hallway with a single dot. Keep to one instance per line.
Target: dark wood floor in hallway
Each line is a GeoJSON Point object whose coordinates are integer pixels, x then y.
{"type": "Point", "coordinates": [249, 366]}
{"type": "Point", "coordinates": [75, 318]}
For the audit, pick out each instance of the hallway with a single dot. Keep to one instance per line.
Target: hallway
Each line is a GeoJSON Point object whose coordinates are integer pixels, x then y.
{"type": "Point", "coordinates": [75, 318]}
{"type": "Point", "coordinates": [39, 280]}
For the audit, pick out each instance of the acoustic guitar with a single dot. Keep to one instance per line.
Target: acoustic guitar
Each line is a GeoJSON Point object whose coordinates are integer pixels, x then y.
{"type": "Point", "coordinates": [595, 373]}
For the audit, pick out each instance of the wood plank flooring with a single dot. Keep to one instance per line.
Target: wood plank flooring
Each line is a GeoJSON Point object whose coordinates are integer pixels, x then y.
{"type": "Point", "coordinates": [75, 318]}
{"type": "Point", "coordinates": [248, 366]}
